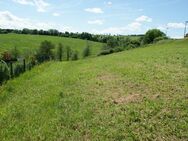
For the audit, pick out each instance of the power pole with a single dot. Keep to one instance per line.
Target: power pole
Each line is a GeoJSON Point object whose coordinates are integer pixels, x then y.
{"type": "Point", "coordinates": [185, 30]}
{"type": "Point", "coordinates": [167, 31]}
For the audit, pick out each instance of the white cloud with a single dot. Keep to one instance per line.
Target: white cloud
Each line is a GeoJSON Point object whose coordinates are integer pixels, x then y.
{"type": "Point", "coordinates": [176, 25]}
{"type": "Point", "coordinates": [162, 28]}
{"type": "Point", "coordinates": [97, 22]}
{"type": "Point", "coordinates": [177, 37]}
{"type": "Point", "coordinates": [94, 10]}
{"type": "Point", "coordinates": [144, 19]}
{"type": "Point", "coordinates": [24, 2]}
{"type": "Point", "coordinates": [134, 26]}
{"type": "Point", "coordinates": [8, 20]}
{"type": "Point", "coordinates": [56, 14]}
{"type": "Point", "coordinates": [40, 5]}
{"type": "Point", "coordinates": [129, 29]}
{"type": "Point", "coordinates": [109, 3]}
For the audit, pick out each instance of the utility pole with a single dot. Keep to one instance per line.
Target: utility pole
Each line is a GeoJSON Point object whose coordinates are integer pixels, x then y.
{"type": "Point", "coordinates": [185, 30]}
{"type": "Point", "coordinates": [167, 31]}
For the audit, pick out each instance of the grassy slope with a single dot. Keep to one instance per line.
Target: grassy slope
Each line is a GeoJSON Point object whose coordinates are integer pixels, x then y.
{"type": "Point", "coordinates": [26, 43]}
{"type": "Point", "coordinates": [139, 94]}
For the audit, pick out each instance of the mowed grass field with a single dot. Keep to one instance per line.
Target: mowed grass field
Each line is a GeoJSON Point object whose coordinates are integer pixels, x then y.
{"type": "Point", "coordinates": [140, 94]}
{"type": "Point", "coordinates": [30, 43]}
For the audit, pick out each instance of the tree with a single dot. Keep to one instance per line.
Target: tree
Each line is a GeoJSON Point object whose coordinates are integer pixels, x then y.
{"type": "Point", "coordinates": [25, 31]}
{"type": "Point", "coordinates": [68, 52]}
{"type": "Point", "coordinates": [112, 42]}
{"type": "Point", "coordinates": [86, 36]}
{"type": "Point", "coordinates": [151, 35]}
{"type": "Point", "coordinates": [75, 55]}
{"type": "Point", "coordinates": [124, 42]}
{"type": "Point", "coordinates": [53, 32]}
{"type": "Point", "coordinates": [60, 52]}
{"type": "Point", "coordinates": [87, 51]}
{"type": "Point", "coordinates": [45, 51]}
{"type": "Point", "coordinates": [134, 43]}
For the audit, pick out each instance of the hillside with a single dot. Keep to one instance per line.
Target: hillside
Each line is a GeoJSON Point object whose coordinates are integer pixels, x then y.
{"type": "Point", "coordinates": [29, 43]}
{"type": "Point", "coordinates": [141, 94]}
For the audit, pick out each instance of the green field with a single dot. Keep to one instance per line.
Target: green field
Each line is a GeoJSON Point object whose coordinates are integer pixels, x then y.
{"type": "Point", "coordinates": [30, 43]}
{"type": "Point", "coordinates": [140, 94]}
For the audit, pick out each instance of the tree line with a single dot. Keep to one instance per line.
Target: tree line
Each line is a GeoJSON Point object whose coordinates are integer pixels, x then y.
{"type": "Point", "coordinates": [121, 43]}
{"type": "Point", "coordinates": [54, 32]}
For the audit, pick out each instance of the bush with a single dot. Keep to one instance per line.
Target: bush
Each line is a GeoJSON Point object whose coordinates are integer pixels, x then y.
{"type": "Point", "coordinates": [118, 49]}
{"type": "Point", "coordinates": [4, 73]}
{"type": "Point", "coordinates": [15, 53]}
{"type": "Point", "coordinates": [68, 52]}
{"type": "Point", "coordinates": [125, 42]}
{"type": "Point", "coordinates": [112, 43]}
{"type": "Point", "coordinates": [106, 52]}
{"type": "Point", "coordinates": [151, 35]}
{"type": "Point", "coordinates": [18, 70]}
{"type": "Point", "coordinates": [134, 43]}
{"type": "Point", "coordinates": [159, 39]}
{"type": "Point", "coordinates": [60, 52]}
{"type": "Point", "coordinates": [87, 51]}
{"type": "Point", "coordinates": [45, 52]}
{"type": "Point", "coordinates": [75, 56]}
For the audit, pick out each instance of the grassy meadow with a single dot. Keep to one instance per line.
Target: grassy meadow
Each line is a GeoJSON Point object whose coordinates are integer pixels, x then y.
{"type": "Point", "coordinates": [140, 94]}
{"type": "Point", "coordinates": [30, 43]}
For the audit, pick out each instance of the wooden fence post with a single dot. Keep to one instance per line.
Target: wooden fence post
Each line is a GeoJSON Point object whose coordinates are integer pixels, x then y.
{"type": "Point", "coordinates": [11, 70]}
{"type": "Point", "coordinates": [24, 65]}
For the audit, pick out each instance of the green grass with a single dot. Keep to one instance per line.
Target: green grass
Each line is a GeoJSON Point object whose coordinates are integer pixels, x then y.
{"type": "Point", "coordinates": [141, 94]}
{"type": "Point", "coordinates": [30, 43]}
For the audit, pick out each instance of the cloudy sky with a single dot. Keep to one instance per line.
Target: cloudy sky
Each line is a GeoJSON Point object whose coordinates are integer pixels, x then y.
{"type": "Point", "coordinates": [96, 16]}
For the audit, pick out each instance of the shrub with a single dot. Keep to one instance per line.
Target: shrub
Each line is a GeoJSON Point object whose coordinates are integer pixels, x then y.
{"type": "Point", "coordinates": [18, 69]}
{"type": "Point", "coordinates": [151, 35]}
{"type": "Point", "coordinates": [45, 52]}
{"type": "Point", "coordinates": [75, 56]}
{"type": "Point", "coordinates": [118, 49]}
{"type": "Point", "coordinates": [6, 56]}
{"type": "Point", "coordinates": [15, 53]}
{"type": "Point", "coordinates": [125, 42]}
{"type": "Point", "coordinates": [86, 51]}
{"type": "Point", "coordinates": [134, 43]}
{"type": "Point", "coordinates": [68, 52]}
{"type": "Point", "coordinates": [4, 73]}
{"type": "Point", "coordinates": [60, 52]}
{"type": "Point", "coordinates": [106, 52]}
{"type": "Point", "coordinates": [159, 39]}
{"type": "Point", "coordinates": [112, 42]}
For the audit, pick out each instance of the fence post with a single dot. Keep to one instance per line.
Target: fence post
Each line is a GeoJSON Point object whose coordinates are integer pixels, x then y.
{"type": "Point", "coordinates": [24, 66]}
{"type": "Point", "coordinates": [11, 70]}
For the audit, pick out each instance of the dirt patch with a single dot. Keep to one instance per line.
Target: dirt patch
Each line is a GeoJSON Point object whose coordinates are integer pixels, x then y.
{"type": "Point", "coordinates": [128, 99]}
{"type": "Point", "coordinates": [155, 96]}
{"type": "Point", "coordinates": [107, 77]}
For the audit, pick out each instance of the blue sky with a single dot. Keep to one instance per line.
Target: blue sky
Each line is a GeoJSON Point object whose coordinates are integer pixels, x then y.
{"type": "Point", "coordinates": [96, 16]}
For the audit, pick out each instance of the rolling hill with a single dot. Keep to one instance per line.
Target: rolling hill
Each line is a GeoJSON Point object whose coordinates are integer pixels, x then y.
{"type": "Point", "coordinates": [140, 94]}
{"type": "Point", "coordinates": [29, 43]}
